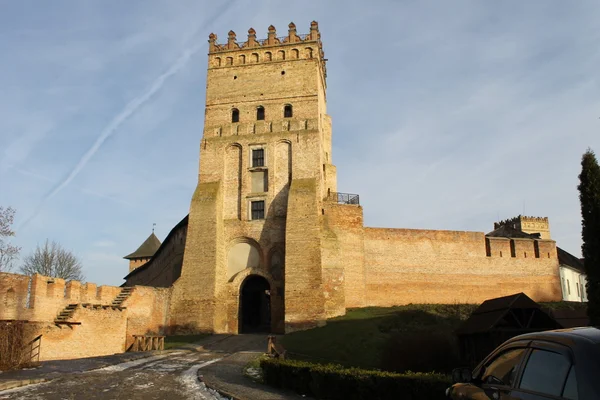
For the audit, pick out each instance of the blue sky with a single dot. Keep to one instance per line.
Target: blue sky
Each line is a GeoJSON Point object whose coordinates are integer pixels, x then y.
{"type": "Point", "coordinates": [446, 115]}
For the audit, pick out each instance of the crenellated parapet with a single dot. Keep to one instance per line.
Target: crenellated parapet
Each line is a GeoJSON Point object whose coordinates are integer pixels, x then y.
{"type": "Point", "coordinates": [527, 224]}
{"type": "Point", "coordinates": [294, 46]}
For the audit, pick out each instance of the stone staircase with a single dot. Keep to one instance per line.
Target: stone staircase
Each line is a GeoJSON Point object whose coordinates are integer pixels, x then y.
{"type": "Point", "coordinates": [124, 295]}
{"type": "Point", "coordinates": [66, 314]}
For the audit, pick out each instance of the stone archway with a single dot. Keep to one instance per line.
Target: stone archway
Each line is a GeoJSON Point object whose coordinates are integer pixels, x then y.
{"type": "Point", "coordinates": [255, 305]}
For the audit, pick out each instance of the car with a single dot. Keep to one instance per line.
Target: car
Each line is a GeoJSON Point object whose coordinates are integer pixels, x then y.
{"type": "Point", "coordinates": [557, 364]}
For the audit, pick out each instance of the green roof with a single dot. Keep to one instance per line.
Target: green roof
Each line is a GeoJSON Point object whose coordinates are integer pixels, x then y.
{"type": "Point", "coordinates": [147, 249]}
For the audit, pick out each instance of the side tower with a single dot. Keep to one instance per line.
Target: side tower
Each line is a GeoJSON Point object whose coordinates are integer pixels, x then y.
{"type": "Point", "coordinates": [253, 257]}
{"type": "Point", "coordinates": [530, 225]}
{"type": "Point", "coordinates": [144, 253]}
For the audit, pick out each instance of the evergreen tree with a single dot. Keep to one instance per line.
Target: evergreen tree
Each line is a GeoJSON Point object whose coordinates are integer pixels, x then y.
{"type": "Point", "coordinates": [589, 196]}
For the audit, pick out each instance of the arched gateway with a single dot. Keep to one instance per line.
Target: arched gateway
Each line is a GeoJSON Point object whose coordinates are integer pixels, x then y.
{"type": "Point", "coordinates": [255, 305]}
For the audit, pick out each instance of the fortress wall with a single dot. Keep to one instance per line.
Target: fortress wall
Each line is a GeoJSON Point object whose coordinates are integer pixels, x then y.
{"type": "Point", "coordinates": [423, 266]}
{"type": "Point", "coordinates": [41, 298]}
{"type": "Point", "coordinates": [102, 332]}
{"type": "Point", "coordinates": [147, 311]}
{"type": "Point", "coordinates": [101, 329]}
{"type": "Point", "coordinates": [342, 255]}
{"type": "Point", "coordinates": [498, 247]}
{"type": "Point", "coordinates": [165, 266]}
{"type": "Point", "coordinates": [13, 296]}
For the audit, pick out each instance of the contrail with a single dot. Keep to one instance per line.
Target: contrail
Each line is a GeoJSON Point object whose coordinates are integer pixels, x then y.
{"type": "Point", "coordinates": [117, 121]}
{"type": "Point", "coordinates": [129, 110]}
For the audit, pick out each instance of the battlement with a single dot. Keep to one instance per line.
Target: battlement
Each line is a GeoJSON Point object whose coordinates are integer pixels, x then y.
{"type": "Point", "coordinates": [253, 51]}
{"type": "Point", "coordinates": [271, 40]}
{"type": "Point", "coordinates": [530, 225]}
{"type": "Point", "coordinates": [40, 297]}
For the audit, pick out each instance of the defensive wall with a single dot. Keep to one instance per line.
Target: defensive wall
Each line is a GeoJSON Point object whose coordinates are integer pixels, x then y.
{"type": "Point", "coordinates": [81, 320]}
{"type": "Point", "coordinates": [386, 267]}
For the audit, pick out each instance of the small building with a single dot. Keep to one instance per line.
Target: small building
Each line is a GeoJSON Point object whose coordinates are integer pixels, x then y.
{"type": "Point", "coordinates": [497, 320]}
{"type": "Point", "coordinates": [572, 277]}
{"type": "Point", "coordinates": [144, 253]}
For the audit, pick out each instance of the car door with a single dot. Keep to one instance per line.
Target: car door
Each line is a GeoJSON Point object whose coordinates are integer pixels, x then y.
{"type": "Point", "coordinates": [500, 372]}
{"type": "Point", "coordinates": [548, 373]}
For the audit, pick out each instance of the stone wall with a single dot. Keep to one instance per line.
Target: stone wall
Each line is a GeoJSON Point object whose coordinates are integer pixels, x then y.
{"type": "Point", "coordinates": [164, 267]}
{"type": "Point", "coordinates": [95, 327]}
{"type": "Point", "coordinates": [425, 266]}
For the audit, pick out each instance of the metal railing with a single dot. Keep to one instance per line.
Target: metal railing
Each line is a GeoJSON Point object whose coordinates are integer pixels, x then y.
{"type": "Point", "coordinates": [34, 350]}
{"type": "Point", "coordinates": [343, 198]}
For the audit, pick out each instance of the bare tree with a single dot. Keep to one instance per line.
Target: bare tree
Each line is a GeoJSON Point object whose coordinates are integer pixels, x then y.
{"type": "Point", "coordinates": [53, 260]}
{"type": "Point", "coordinates": [8, 252]}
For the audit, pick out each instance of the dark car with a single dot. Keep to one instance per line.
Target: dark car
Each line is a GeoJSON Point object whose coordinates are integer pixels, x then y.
{"type": "Point", "coordinates": [559, 364]}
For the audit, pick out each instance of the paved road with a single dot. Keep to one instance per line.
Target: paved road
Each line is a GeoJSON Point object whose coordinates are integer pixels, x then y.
{"type": "Point", "coordinates": [167, 376]}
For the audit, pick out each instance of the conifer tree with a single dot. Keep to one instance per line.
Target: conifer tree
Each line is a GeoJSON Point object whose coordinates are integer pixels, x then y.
{"type": "Point", "coordinates": [589, 196]}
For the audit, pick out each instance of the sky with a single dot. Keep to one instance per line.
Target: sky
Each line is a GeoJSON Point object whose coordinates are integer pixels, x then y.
{"type": "Point", "coordinates": [446, 115]}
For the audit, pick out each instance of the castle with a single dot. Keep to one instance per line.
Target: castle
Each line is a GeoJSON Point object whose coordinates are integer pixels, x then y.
{"type": "Point", "coordinates": [269, 244]}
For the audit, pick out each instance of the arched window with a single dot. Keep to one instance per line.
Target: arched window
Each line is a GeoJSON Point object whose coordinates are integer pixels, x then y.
{"type": "Point", "coordinates": [217, 61]}
{"type": "Point", "coordinates": [254, 57]}
{"type": "Point", "coordinates": [309, 52]}
{"type": "Point", "coordinates": [294, 53]}
{"type": "Point", "coordinates": [235, 115]}
{"type": "Point", "coordinates": [268, 56]}
{"type": "Point", "coordinates": [260, 113]}
{"type": "Point", "coordinates": [242, 59]}
{"type": "Point", "coordinates": [229, 60]}
{"type": "Point", "coordinates": [281, 55]}
{"type": "Point", "coordinates": [287, 111]}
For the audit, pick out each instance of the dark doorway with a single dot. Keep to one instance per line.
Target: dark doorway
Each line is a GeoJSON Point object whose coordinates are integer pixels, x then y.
{"type": "Point", "coordinates": [255, 305]}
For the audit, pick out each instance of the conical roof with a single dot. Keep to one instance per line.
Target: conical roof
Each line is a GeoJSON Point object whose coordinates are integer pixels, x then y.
{"type": "Point", "coordinates": [147, 249]}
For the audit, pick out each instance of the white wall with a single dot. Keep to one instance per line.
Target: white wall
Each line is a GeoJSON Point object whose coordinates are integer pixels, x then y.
{"type": "Point", "coordinates": [573, 284]}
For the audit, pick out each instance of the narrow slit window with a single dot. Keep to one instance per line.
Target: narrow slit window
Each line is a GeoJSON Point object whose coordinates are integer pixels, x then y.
{"type": "Point", "coordinates": [260, 113]}
{"type": "Point", "coordinates": [287, 111]}
{"type": "Point", "coordinates": [258, 209]}
{"type": "Point", "coordinates": [235, 115]}
{"type": "Point", "coordinates": [258, 158]}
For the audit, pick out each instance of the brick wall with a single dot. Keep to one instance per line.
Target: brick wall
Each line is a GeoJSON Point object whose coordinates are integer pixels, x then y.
{"type": "Point", "coordinates": [165, 266]}
{"type": "Point", "coordinates": [423, 266]}
{"type": "Point", "coordinates": [101, 328]}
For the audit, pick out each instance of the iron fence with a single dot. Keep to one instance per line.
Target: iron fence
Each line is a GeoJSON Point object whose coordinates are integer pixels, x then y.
{"type": "Point", "coordinates": [343, 198]}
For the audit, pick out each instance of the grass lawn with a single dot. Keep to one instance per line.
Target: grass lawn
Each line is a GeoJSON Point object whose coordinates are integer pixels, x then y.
{"type": "Point", "coordinates": [175, 341]}
{"type": "Point", "coordinates": [363, 337]}
{"type": "Point", "coordinates": [374, 337]}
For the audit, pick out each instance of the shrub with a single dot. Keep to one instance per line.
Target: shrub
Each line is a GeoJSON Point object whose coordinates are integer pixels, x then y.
{"type": "Point", "coordinates": [334, 382]}
{"type": "Point", "coordinates": [12, 345]}
{"type": "Point", "coordinates": [420, 351]}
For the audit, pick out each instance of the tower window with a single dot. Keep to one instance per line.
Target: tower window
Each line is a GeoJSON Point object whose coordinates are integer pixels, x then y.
{"type": "Point", "coordinates": [258, 158]}
{"type": "Point", "coordinates": [235, 115]}
{"type": "Point", "coordinates": [258, 209]}
{"type": "Point", "coordinates": [260, 113]}
{"type": "Point", "coordinates": [287, 111]}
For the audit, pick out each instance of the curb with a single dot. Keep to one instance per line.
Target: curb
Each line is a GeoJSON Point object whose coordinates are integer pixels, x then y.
{"type": "Point", "coordinates": [222, 392]}
{"type": "Point", "coordinates": [15, 384]}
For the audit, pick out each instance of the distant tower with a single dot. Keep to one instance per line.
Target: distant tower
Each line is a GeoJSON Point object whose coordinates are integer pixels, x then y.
{"type": "Point", "coordinates": [265, 159]}
{"type": "Point", "coordinates": [529, 225]}
{"type": "Point", "coordinates": [144, 253]}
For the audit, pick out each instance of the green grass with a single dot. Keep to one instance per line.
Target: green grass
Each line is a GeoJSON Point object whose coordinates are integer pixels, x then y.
{"type": "Point", "coordinates": [365, 337]}
{"type": "Point", "coordinates": [172, 342]}
{"type": "Point", "coordinates": [564, 305]}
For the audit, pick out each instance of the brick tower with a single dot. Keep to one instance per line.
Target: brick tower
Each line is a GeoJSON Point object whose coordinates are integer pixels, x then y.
{"type": "Point", "coordinates": [253, 252]}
